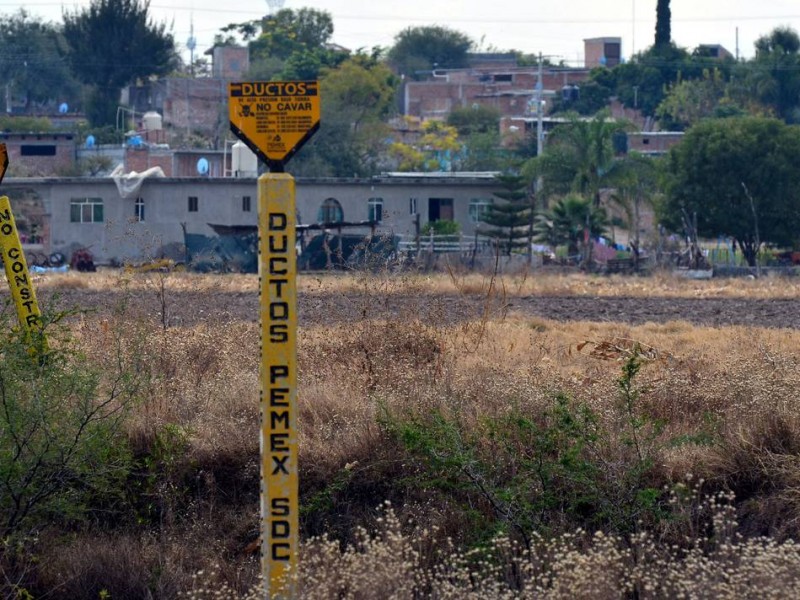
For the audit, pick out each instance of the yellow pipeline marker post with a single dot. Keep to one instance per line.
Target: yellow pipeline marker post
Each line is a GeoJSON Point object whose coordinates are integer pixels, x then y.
{"type": "Point", "coordinates": [16, 268]}
{"type": "Point", "coordinates": [274, 119]}
{"type": "Point", "coordinates": [278, 286]}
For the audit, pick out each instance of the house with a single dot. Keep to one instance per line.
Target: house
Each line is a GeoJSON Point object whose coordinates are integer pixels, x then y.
{"type": "Point", "coordinates": [130, 219]}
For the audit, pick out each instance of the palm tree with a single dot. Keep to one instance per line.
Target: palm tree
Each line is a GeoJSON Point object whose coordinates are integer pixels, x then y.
{"type": "Point", "coordinates": [568, 222]}
{"type": "Point", "coordinates": [636, 179]}
{"type": "Point", "coordinates": [579, 156]}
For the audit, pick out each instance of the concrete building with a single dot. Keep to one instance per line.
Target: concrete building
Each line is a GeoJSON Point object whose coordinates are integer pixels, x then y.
{"type": "Point", "coordinates": [602, 52]}
{"type": "Point", "coordinates": [123, 223]}
{"type": "Point", "coordinates": [41, 154]}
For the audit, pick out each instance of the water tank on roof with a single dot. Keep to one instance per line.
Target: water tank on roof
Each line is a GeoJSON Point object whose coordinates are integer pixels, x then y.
{"type": "Point", "coordinates": [151, 121]}
{"type": "Point", "coordinates": [243, 161]}
{"type": "Point", "coordinates": [202, 166]}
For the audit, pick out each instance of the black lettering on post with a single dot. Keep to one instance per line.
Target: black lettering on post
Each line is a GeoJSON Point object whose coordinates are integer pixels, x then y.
{"type": "Point", "coordinates": [280, 465]}
{"type": "Point", "coordinates": [24, 293]}
{"type": "Point", "coordinates": [273, 269]}
{"type": "Point", "coordinates": [13, 253]}
{"type": "Point", "coordinates": [279, 334]}
{"type": "Point", "coordinates": [28, 305]}
{"type": "Point", "coordinates": [279, 311]}
{"type": "Point", "coordinates": [278, 372]}
{"type": "Point", "coordinates": [6, 229]}
{"type": "Point", "coordinates": [6, 215]}
{"type": "Point", "coordinates": [17, 267]}
{"type": "Point", "coordinates": [277, 442]}
{"type": "Point", "coordinates": [277, 222]}
{"type": "Point", "coordinates": [279, 418]}
{"type": "Point", "coordinates": [278, 283]}
{"type": "Point", "coordinates": [284, 246]}
{"type": "Point", "coordinates": [20, 280]}
{"type": "Point", "coordinates": [278, 555]}
{"type": "Point", "coordinates": [280, 529]}
{"type": "Point", "coordinates": [31, 320]}
{"type": "Point", "coordinates": [278, 397]}
{"type": "Point", "coordinates": [281, 507]}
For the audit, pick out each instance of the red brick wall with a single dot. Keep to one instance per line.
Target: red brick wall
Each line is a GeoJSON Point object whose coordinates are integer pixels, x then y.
{"type": "Point", "coordinates": [20, 162]}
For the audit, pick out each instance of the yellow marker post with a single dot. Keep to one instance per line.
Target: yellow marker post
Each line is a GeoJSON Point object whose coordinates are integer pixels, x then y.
{"type": "Point", "coordinates": [278, 288]}
{"type": "Point", "coordinates": [274, 119]}
{"type": "Point", "coordinates": [16, 269]}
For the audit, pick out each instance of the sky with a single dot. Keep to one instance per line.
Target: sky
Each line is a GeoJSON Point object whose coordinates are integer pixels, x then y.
{"type": "Point", "coordinates": [554, 28]}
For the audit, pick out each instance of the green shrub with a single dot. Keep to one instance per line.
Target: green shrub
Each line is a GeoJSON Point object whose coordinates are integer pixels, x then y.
{"type": "Point", "coordinates": [61, 445]}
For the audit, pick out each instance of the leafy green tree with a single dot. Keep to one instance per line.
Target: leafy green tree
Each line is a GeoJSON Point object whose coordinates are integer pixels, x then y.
{"type": "Point", "coordinates": [112, 43]}
{"type": "Point", "coordinates": [509, 222]}
{"type": "Point", "coordinates": [32, 61]}
{"type": "Point", "coordinates": [568, 222]}
{"type": "Point", "coordinates": [475, 119]}
{"type": "Point", "coordinates": [774, 73]}
{"type": "Point", "coordinates": [358, 98]}
{"type": "Point", "coordinates": [289, 31]}
{"type": "Point", "coordinates": [739, 177]}
{"type": "Point", "coordinates": [693, 99]}
{"type": "Point", "coordinates": [578, 157]}
{"type": "Point", "coordinates": [421, 49]}
{"type": "Point", "coordinates": [663, 24]}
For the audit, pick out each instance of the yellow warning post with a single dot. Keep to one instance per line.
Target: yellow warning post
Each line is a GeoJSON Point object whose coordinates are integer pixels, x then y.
{"type": "Point", "coordinates": [17, 269]}
{"type": "Point", "coordinates": [278, 291]}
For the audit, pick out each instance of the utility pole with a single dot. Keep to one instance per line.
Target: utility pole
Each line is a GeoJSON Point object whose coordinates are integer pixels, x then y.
{"type": "Point", "coordinates": [539, 123]}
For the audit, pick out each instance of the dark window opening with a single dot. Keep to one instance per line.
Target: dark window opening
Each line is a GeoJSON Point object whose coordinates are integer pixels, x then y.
{"type": "Point", "coordinates": [38, 150]}
{"type": "Point", "coordinates": [440, 209]}
{"type": "Point", "coordinates": [245, 203]}
{"type": "Point", "coordinates": [193, 204]}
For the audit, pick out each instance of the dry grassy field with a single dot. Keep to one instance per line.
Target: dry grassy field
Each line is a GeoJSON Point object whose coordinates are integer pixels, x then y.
{"type": "Point", "coordinates": [461, 436]}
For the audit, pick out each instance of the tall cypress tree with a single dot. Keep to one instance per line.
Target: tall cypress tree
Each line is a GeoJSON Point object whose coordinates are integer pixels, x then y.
{"type": "Point", "coordinates": [663, 25]}
{"type": "Point", "coordinates": [509, 222]}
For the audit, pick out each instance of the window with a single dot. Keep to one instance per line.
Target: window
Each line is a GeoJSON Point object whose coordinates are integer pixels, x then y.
{"type": "Point", "coordinates": [86, 210]}
{"type": "Point", "coordinates": [375, 209]}
{"type": "Point", "coordinates": [503, 77]}
{"type": "Point", "coordinates": [330, 212]}
{"type": "Point", "coordinates": [138, 209]}
{"type": "Point", "coordinates": [412, 206]}
{"type": "Point", "coordinates": [37, 150]}
{"type": "Point", "coordinates": [193, 203]}
{"type": "Point", "coordinates": [245, 203]}
{"type": "Point", "coordinates": [478, 208]}
{"type": "Point", "coordinates": [440, 209]}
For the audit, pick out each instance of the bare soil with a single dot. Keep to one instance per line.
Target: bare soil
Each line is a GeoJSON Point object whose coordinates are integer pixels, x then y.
{"type": "Point", "coordinates": [186, 308]}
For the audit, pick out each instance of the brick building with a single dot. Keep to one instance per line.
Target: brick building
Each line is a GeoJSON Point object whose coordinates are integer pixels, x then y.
{"type": "Point", "coordinates": [40, 154]}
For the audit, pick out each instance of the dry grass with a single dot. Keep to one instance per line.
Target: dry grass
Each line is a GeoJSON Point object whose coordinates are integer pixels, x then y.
{"type": "Point", "coordinates": [196, 418]}
{"type": "Point", "coordinates": [541, 283]}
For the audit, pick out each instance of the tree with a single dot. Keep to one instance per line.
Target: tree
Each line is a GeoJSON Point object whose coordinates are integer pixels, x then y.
{"type": "Point", "coordinates": [509, 222]}
{"type": "Point", "coordinates": [32, 64]}
{"type": "Point", "coordinates": [358, 98]}
{"type": "Point", "coordinates": [422, 49]}
{"type": "Point", "coordinates": [691, 100]}
{"type": "Point", "coordinates": [578, 157]}
{"type": "Point", "coordinates": [739, 177]}
{"type": "Point", "coordinates": [112, 43]}
{"type": "Point", "coordinates": [437, 149]}
{"type": "Point", "coordinates": [572, 221]}
{"type": "Point", "coordinates": [775, 72]}
{"type": "Point", "coordinates": [636, 182]}
{"type": "Point", "coordinates": [663, 24]}
{"type": "Point", "coordinates": [289, 31]}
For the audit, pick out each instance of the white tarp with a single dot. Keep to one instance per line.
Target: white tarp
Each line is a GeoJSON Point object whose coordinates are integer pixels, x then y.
{"type": "Point", "coordinates": [128, 184]}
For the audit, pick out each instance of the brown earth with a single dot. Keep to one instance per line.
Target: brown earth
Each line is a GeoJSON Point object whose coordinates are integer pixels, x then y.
{"type": "Point", "coordinates": [188, 307]}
